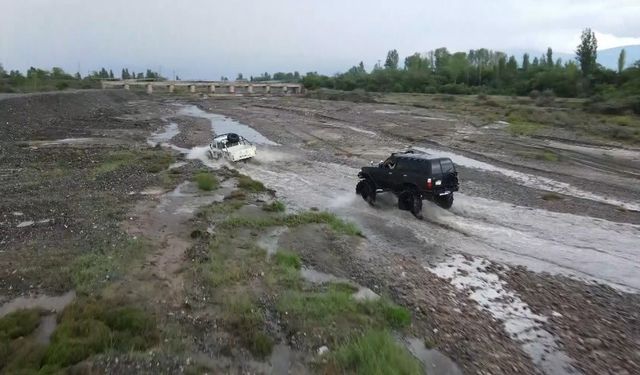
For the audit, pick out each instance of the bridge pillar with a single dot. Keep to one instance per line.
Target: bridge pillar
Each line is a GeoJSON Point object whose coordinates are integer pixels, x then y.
{"type": "Point", "coordinates": [250, 89]}
{"type": "Point", "coordinates": [212, 89]}
{"type": "Point", "coordinates": [149, 88]}
{"type": "Point", "coordinates": [192, 88]}
{"type": "Point", "coordinates": [172, 88]}
{"type": "Point", "coordinates": [126, 86]}
{"type": "Point", "coordinates": [267, 89]}
{"type": "Point", "coordinates": [285, 90]}
{"type": "Point", "coordinates": [232, 89]}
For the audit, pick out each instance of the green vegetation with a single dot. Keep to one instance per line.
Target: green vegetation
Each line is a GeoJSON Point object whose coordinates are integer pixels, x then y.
{"type": "Point", "coordinates": [207, 181]}
{"type": "Point", "coordinates": [19, 323]}
{"type": "Point", "coordinates": [482, 71]}
{"type": "Point", "coordinates": [375, 352]}
{"type": "Point", "coordinates": [551, 197]}
{"type": "Point", "coordinates": [293, 220]}
{"type": "Point", "coordinates": [245, 320]}
{"type": "Point", "coordinates": [249, 184]}
{"type": "Point", "coordinates": [85, 328]}
{"type": "Point", "coordinates": [92, 270]}
{"type": "Point", "coordinates": [275, 206]}
{"type": "Point", "coordinates": [57, 79]}
{"type": "Point", "coordinates": [152, 161]}
{"type": "Point", "coordinates": [287, 259]}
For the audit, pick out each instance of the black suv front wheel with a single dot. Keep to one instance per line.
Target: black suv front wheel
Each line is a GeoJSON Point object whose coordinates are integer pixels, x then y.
{"type": "Point", "coordinates": [444, 201]}
{"type": "Point", "coordinates": [366, 189]}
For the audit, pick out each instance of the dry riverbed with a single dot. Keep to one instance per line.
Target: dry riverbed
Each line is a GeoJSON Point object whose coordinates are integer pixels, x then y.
{"type": "Point", "coordinates": [124, 249]}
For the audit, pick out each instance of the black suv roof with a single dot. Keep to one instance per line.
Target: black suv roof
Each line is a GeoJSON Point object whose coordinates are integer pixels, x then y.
{"type": "Point", "coordinates": [416, 156]}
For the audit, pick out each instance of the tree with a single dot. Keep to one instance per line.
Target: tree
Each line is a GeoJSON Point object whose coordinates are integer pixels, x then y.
{"type": "Point", "coordinates": [535, 62]}
{"type": "Point", "coordinates": [413, 62]}
{"type": "Point", "coordinates": [110, 73]}
{"type": "Point", "coordinates": [525, 62]}
{"type": "Point", "coordinates": [392, 60]}
{"type": "Point", "coordinates": [587, 51]}
{"type": "Point", "coordinates": [78, 76]}
{"type": "Point", "coordinates": [549, 57]}
{"type": "Point", "coordinates": [239, 77]}
{"type": "Point", "coordinates": [621, 60]}
{"type": "Point", "coordinates": [2, 71]}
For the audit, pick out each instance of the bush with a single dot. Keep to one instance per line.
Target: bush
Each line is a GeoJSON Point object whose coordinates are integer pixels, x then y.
{"type": "Point", "coordinates": [19, 323]}
{"type": "Point", "coordinates": [376, 352]}
{"type": "Point", "coordinates": [275, 206]}
{"type": "Point", "coordinates": [534, 94]}
{"type": "Point", "coordinates": [206, 181]}
{"type": "Point", "coordinates": [247, 183]}
{"type": "Point", "coordinates": [546, 99]}
{"type": "Point", "coordinates": [62, 85]}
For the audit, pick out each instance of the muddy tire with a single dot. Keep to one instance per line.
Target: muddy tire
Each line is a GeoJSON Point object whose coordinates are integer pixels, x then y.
{"type": "Point", "coordinates": [367, 191]}
{"type": "Point", "coordinates": [445, 201]}
{"type": "Point", "coordinates": [410, 200]}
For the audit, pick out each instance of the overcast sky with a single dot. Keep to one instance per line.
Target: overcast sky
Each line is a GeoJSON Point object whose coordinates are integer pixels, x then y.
{"type": "Point", "coordinates": [210, 38]}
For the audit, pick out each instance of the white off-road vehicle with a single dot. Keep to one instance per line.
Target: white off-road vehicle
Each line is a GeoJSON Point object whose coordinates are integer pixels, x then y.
{"type": "Point", "coordinates": [231, 146]}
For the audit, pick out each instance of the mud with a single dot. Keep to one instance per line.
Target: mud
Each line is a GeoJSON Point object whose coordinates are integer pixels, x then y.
{"type": "Point", "coordinates": [568, 263]}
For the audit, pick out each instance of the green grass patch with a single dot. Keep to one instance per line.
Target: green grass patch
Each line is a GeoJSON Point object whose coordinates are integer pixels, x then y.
{"type": "Point", "coordinates": [523, 128]}
{"type": "Point", "coordinates": [375, 352]}
{"type": "Point", "coordinates": [206, 181]}
{"type": "Point", "coordinates": [287, 259]}
{"type": "Point", "coordinates": [91, 271]}
{"type": "Point", "coordinates": [245, 321]}
{"type": "Point", "coordinates": [275, 206]}
{"type": "Point", "coordinates": [247, 183]}
{"type": "Point", "coordinates": [19, 323]}
{"type": "Point", "coordinates": [228, 265]}
{"type": "Point", "coordinates": [85, 328]}
{"type": "Point", "coordinates": [551, 197]}
{"type": "Point", "coordinates": [309, 217]}
{"type": "Point", "coordinates": [152, 161]}
{"type": "Point", "coordinates": [334, 313]}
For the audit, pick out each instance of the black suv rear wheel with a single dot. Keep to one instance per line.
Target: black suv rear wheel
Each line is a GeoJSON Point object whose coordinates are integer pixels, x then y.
{"type": "Point", "coordinates": [411, 201]}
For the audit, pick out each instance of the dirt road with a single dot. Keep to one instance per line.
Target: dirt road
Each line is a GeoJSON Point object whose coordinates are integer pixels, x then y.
{"type": "Point", "coordinates": [535, 268]}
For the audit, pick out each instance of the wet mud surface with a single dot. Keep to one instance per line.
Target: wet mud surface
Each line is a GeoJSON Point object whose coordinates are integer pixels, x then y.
{"type": "Point", "coordinates": [534, 269]}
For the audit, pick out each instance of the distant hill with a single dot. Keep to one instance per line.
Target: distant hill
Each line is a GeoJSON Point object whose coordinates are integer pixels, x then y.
{"type": "Point", "coordinates": [606, 57]}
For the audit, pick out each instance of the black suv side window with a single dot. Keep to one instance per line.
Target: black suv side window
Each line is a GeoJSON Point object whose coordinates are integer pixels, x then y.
{"type": "Point", "coordinates": [435, 167]}
{"type": "Point", "coordinates": [403, 164]}
{"type": "Point", "coordinates": [447, 166]}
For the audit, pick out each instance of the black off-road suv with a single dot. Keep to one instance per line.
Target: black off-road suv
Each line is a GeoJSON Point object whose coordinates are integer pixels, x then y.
{"type": "Point", "coordinates": [412, 177]}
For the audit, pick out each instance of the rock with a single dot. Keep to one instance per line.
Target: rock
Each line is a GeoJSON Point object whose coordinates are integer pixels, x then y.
{"type": "Point", "coordinates": [323, 350]}
{"type": "Point", "coordinates": [593, 342]}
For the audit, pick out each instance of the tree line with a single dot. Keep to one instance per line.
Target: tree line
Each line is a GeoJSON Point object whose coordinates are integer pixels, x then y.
{"type": "Point", "coordinates": [489, 72]}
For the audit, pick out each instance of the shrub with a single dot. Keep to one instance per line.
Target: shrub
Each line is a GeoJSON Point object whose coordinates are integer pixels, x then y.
{"type": "Point", "coordinates": [206, 181]}
{"type": "Point", "coordinates": [376, 352]}
{"type": "Point", "coordinates": [275, 206]}
{"type": "Point", "coordinates": [534, 94]}
{"type": "Point", "coordinates": [19, 323]}
{"type": "Point", "coordinates": [247, 183]}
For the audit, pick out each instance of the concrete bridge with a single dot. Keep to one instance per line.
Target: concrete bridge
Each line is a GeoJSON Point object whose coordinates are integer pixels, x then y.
{"type": "Point", "coordinates": [212, 87]}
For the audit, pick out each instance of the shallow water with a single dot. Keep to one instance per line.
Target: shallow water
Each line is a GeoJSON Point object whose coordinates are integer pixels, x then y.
{"type": "Point", "coordinates": [434, 362]}
{"type": "Point", "coordinates": [221, 124]}
{"type": "Point", "coordinates": [45, 302]}
{"type": "Point", "coordinates": [529, 180]}
{"type": "Point", "coordinates": [522, 324]}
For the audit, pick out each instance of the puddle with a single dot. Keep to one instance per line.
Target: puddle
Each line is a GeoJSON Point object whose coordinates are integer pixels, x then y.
{"type": "Point", "coordinates": [45, 329]}
{"type": "Point", "coordinates": [365, 294]}
{"type": "Point", "coordinates": [51, 303]}
{"type": "Point", "coordinates": [317, 277]}
{"type": "Point", "coordinates": [367, 132]}
{"type": "Point", "coordinates": [434, 362]}
{"type": "Point", "coordinates": [25, 224]}
{"type": "Point", "coordinates": [221, 124]}
{"type": "Point", "coordinates": [270, 241]}
{"type": "Point", "coordinates": [522, 324]}
{"type": "Point", "coordinates": [280, 359]}
{"type": "Point", "coordinates": [532, 181]}
{"type": "Point", "coordinates": [164, 135]}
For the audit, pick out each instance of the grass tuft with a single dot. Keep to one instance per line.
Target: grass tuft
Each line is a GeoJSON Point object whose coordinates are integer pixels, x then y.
{"type": "Point", "coordinates": [275, 206]}
{"type": "Point", "coordinates": [247, 183]}
{"type": "Point", "coordinates": [375, 352]}
{"type": "Point", "coordinates": [19, 323]}
{"type": "Point", "coordinates": [287, 259]}
{"type": "Point", "coordinates": [293, 220]}
{"type": "Point", "coordinates": [206, 181]}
